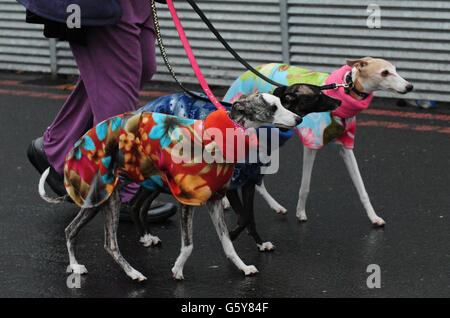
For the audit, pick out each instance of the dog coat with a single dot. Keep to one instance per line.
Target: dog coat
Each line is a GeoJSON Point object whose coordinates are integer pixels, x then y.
{"type": "Point", "coordinates": [184, 105]}
{"type": "Point", "coordinates": [316, 129]}
{"type": "Point", "coordinates": [139, 147]}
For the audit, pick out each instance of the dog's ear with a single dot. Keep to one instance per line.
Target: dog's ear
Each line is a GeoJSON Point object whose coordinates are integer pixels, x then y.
{"type": "Point", "coordinates": [280, 91]}
{"type": "Point", "coordinates": [238, 105]}
{"type": "Point", "coordinates": [242, 103]}
{"type": "Point", "coordinates": [237, 110]}
{"type": "Point", "coordinates": [360, 63]}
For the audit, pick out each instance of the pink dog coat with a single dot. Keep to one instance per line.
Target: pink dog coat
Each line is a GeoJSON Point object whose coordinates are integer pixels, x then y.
{"type": "Point", "coordinates": [317, 129]}
{"type": "Point", "coordinates": [350, 107]}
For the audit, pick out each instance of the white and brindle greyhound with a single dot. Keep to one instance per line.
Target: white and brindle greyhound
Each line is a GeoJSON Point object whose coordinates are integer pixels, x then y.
{"type": "Point", "coordinates": [140, 147]}
{"type": "Point", "coordinates": [363, 76]}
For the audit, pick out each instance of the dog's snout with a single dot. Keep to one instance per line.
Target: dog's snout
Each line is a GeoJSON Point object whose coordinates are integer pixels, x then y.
{"type": "Point", "coordinates": [298, 120]}
{"type": "Point", "coordinates": [409, 88]}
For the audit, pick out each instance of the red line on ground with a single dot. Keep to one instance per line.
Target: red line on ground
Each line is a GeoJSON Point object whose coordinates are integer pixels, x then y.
{"type": "Point", "coordinates": [64, 88]}
{"type": "Point", "coordinates": [58, 96]}
{"type": "Point", "coordinates": [64, 96]}
{"type": "Point", "coordinates": [395, 125]}
{"type": "Point", "coordinates": [373, 123]}
{"type": "Point", "coordinates": [406, 114]}
{"type": "Point", "coordinates": [445, 130]}
{"type": "Point", "coordinates": [10, 82]}
{"type": "Point", "coordinates": [425, 128]}
{"type": "Point", "coordinates": [377, 112]}
{"type": "Point", "coordinates": [33, 94]}
{"type": "Point", "coordinates": [154, 93]}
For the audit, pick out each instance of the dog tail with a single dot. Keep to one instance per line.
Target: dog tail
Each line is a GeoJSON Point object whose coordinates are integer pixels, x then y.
{"type": "Point", "coordinates": [42, 189]}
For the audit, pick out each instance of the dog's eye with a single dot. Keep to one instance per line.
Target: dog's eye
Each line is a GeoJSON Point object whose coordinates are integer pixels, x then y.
{"type": "Point", "coordinates": [385, 73]}
{"type": "Point", "coordinates": [289, 97]}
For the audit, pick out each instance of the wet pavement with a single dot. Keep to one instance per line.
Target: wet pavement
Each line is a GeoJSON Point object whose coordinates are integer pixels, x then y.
{"type": "Point", "coordinates": [404, 160]}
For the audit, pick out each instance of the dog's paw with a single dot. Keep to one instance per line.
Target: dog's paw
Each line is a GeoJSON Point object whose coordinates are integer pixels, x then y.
{"type": "Point", "coordinates": [378, 221]}
{"type": "Point", "coordinates": [301, 216]}
{"type": "Point", "coordinates": [177, 273]}
{"type": "Point", "coordinates": [149, 240]}
{"type": "Point", "coordinates": [76, 269]}
{"type": "Point", "coordinates": [266, 246]}
{"type": "Point", "coordinates": [250, 270]}
{"type": "Point", "coordinates": [280, 210]}
{"type": "Point", "coordinates": [135, 275]}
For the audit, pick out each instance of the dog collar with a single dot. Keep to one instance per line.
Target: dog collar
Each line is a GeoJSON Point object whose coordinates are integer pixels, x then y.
{"type": "Point", "coordinates": [351, 86]}
{"type": "Point", "coordinates": [252, 136]}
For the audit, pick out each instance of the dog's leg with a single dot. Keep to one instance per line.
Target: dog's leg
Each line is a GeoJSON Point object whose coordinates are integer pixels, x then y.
{"type": "Point", "coordinates": [187, 244]}
{"type": "Point", "coordinates": [216, 211]}
{"type": "Point", "coordinates": [72, 230]}
{"type": "Point", "coordinates": [309, 155]}
{"type": "Point", "coordinates": [226, 203]}
{"type": "Point", "coordinates": [238, 208]}
{"type": "Point", "coordinates": [111, 211]}
{"type": "Point", "coordinates": [274, 205]}
{"type": "Point", "coordinates": [135, 203]}
{"type": "Point", "coordinates": [352, 167]}
{"type": "Point", "coordinates": [248, 197]}
{"type": "Point", "coordinates": [144, 199]}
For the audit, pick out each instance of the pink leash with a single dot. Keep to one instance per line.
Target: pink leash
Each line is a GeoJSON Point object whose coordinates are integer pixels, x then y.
{"type": "Point", "coordinates": [191, 57]}
{"type": "Point", "coordinates": [252, 137]}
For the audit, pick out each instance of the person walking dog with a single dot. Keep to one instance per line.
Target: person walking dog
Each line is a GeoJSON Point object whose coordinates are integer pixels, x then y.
{"type": "Point", "coordinates": [115, 53]}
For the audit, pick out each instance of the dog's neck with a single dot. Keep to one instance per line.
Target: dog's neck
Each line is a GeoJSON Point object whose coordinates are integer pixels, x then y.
{"type": "Point", "coordinates": [359, 92]}
{"type": "Point", "coordinates": [242, 121]}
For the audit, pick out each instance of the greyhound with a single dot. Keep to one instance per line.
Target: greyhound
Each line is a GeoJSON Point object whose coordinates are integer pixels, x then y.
{"type": "Point", "coordinates": [140, 147]}
{"type": "Point", "coordinates": [246, 175]}
{"type": "Point", "coordinates": [363, 77]}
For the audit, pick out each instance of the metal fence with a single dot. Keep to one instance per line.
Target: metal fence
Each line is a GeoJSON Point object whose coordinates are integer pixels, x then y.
{"type": "Point", "coordinates": [314, 34]}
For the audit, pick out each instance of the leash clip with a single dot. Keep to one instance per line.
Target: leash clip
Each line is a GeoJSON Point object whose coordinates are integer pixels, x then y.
{"type": "Point", "coordinates": [335, 86]}
{"type": "Point", "coordinates": [344, 85]}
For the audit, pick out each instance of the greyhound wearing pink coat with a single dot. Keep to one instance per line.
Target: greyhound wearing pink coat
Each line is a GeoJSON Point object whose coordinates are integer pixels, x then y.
{"type": "Point", "coordinates": [364, 76]}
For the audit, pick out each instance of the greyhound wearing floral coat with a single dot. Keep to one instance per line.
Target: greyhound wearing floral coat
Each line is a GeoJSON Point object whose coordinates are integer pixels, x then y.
{"type": "Point", "coordinates": [143, 147]}
{"type": "Point", "coordinates": [364, 76]}
{"type": "Point", "coordinates": [246, 175]}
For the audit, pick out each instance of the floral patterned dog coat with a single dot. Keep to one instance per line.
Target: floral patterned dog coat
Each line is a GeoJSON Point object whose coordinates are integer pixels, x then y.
{"type": "Point", "coordinates": [317, 129]}
{"type": "Point", "coordinates": [139, 146]}
{"type": "Point", "coordinates": [184, 105]}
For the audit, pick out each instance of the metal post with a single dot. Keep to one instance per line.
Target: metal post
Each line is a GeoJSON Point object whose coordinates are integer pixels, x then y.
{"type": "Point", "coordinates": [284, 26]}
{"type": "Point", "coordinates": [53, 58]}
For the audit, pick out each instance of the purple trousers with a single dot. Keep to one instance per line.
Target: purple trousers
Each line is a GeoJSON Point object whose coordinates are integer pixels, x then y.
{"type": "Point", "coordinates": [114, 65]}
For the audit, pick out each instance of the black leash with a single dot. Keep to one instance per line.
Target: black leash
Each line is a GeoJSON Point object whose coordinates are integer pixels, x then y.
{"type": "Point", "coordinates": [238, 57]}
{"type": "Point", "coordinates": [166, 59]}
{"type": "Point", "coordinates": [228, 47]}
{"type": "Point", "coordinates": [224, 43]}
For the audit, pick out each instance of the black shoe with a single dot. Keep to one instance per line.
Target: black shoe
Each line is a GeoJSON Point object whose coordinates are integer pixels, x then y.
{"type": "Point", "coordinates": [159, 212]}
{"type": "Point", "coordinates": [38, 159]}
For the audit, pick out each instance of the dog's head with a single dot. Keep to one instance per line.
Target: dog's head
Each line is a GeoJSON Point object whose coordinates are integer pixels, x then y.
{"type": "Point", "coordinates": [378, 74]}
{"type": "Point", "coordinates": [303, 99]}
{"type": "Point", "coordinates": [260, 109]}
